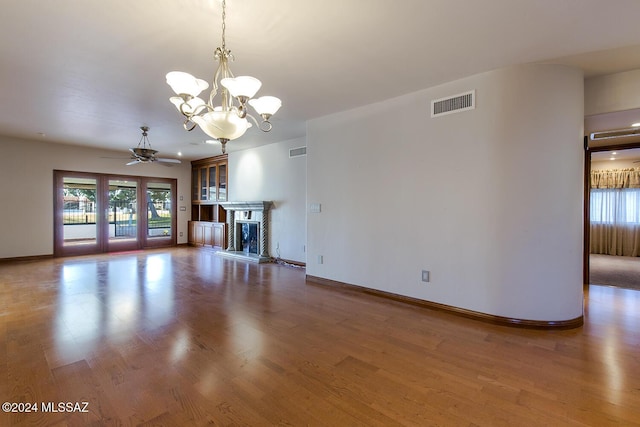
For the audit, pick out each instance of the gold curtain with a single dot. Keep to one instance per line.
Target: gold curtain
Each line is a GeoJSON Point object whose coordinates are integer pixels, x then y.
{"type": "Point", "coordinates": [616, 178]}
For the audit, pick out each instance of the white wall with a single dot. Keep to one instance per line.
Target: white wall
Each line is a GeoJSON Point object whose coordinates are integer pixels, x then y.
{"type": "Point", "coordinates": [267, 173]}
{"type": "Point", "coordinates": [489, 200]}
{"type": "Point", "coordinates": [26, 189]}
{"type": "Point", "coordinates": [612, 92]}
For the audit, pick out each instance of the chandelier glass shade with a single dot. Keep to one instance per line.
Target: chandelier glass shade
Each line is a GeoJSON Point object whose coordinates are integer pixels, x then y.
{"type": "Point", "coordinates": [226, 119]}
{"type": "Point", "coordinates": [220, 124]}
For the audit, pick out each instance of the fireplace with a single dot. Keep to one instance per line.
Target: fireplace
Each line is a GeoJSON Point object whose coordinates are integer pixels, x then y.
{"type": "Point", "coordinates": [248, 225]}
{"type": "Point", "coordinates": [248, 237]}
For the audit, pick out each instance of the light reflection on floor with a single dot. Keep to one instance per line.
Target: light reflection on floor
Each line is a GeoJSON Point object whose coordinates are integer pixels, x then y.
{"type": "Point", "coordinates": [111, 299]}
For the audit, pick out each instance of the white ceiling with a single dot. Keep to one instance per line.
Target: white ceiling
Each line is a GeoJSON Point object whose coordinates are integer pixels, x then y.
{"type": "Point", "coordinates": [92, 72]}
{"type": "Point", "coordinates": [630, 154]}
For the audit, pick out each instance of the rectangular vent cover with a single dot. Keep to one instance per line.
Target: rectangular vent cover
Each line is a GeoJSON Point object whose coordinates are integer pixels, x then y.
{"type": "Point", "coordinates": [453, 104]}
{"type": "Point", "coordinates": [616, 133]}
{"type": "Point", "coordinates": [296, 152]}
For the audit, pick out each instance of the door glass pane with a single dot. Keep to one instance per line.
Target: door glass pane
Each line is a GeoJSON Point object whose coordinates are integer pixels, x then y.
{"type": "Point", "coordinates": [79, 211]}
{"type": "Point", "coordinates": [222, 186]}
{"type": "Point", "coordinates": [159, 209]}
{"type": "Point", "coordinates": [123, 223]}
{"type": "Point", "coordinates": [212, 183]}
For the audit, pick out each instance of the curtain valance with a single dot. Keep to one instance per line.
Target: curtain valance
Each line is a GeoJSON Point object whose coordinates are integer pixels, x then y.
{"type": "Point", "coordinates": [616, 178]}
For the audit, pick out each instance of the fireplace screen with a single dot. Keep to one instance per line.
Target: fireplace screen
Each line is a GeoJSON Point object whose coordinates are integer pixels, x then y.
{"type": "Point", "coordinates": [249, 232]}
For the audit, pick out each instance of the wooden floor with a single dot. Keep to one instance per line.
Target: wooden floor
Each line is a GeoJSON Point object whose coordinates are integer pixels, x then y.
{"type": "Point", "coordinates": [181, 337]}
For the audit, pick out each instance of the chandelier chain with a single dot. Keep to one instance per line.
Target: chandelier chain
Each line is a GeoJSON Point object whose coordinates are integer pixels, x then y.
{"type": "Point", "coordinates": [224, 25]}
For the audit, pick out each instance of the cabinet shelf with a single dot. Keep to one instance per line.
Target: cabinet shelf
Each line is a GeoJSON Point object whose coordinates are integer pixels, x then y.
{"type": "Point", "coordinates": [212, 212]}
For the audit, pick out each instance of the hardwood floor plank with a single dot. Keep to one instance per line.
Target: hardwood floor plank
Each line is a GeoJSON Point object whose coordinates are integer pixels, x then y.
{"type": "Point", "coordinates": [182, 337]}
{"type": "Point", "coordinates": [77, 384]}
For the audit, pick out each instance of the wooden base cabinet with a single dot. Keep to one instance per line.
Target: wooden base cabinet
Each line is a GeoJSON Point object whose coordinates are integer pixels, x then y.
{"type": "Point", "coordinates": [208, 234]}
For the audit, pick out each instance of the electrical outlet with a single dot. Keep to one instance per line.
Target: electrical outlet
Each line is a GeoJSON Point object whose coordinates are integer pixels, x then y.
{"type": "Point", "coordinates": [425, 275]}
{"type": "Point", "coordinates": [320, 259]}
{"type": "Point", "coordinates": [181, 233]}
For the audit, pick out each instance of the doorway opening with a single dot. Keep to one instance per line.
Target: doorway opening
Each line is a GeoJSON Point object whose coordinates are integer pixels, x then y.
{"type": "Point", "coordinates": [95, 213]}
{"type": "Point", "coordinates": [612, 217]}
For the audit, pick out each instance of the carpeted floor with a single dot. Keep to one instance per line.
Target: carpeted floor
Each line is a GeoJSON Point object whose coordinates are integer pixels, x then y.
{"type": "Point", "coordinates": [621, 271]}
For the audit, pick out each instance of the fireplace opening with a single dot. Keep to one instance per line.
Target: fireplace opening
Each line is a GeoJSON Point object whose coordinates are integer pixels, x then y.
{"type": "Point", "coordinates": [249, 241]}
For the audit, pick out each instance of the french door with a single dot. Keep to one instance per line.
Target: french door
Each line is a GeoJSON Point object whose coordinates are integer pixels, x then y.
{"type": "Point", "coordinates": [96, 213]}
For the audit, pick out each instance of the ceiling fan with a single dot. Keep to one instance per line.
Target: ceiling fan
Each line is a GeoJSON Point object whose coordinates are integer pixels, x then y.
{"type": "Point", "coordinates": [143, 153]}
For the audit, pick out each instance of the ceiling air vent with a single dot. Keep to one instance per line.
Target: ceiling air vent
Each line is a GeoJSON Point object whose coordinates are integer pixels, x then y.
{"type": "Point", "coordinates": [453, 104]}
{"type": "Point", "coordinates": [297, 152]}
{"type": "Point", "coordinates": [616, 133]}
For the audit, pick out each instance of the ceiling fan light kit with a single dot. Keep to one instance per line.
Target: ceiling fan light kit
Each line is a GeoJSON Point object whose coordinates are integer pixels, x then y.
{"type": "Point", "coordinates": [143, 153]}
{"type": "Point", "coordinates": [228, 120]}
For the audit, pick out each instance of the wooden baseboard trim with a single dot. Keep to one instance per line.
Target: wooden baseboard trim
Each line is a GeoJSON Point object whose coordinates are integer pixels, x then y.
{"type": "Point", "coordinates": [462, 312]}
{"type": "Point", "coordinates": [27, 258]}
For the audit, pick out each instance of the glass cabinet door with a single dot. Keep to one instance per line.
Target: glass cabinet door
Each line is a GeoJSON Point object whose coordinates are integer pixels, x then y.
{"type": "Point", "coordinates": [203, 184]}
{"type": "Point", "coordinates": [195, 186]}
{"type": "Point", "coordinates": [213, 189]}
{"type": "Point", "coordinates": [222, 182]}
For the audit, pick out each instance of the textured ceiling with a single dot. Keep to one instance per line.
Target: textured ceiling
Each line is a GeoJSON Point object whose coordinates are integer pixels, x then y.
{"type": "Point", "coordinates": [92, 72]}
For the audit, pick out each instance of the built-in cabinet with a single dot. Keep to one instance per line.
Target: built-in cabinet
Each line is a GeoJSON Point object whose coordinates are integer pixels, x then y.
{"type": "Point", "coordinates": [210, 234]}
{"type": "Point", "coordinates": [208, 190]}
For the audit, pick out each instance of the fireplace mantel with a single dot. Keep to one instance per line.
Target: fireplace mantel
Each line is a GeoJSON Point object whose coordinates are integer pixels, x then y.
{"type": "Point", "coordinates": [238, 212]}
{"type": "Point", "coordinates": [247, 206]}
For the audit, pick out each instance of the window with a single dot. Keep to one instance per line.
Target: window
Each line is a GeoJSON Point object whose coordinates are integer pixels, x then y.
{"type": "Point", "coordinates": [615, 206]}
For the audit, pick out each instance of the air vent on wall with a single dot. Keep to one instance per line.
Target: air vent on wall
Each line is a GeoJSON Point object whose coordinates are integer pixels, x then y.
{"type": "Point", "coordinates": [296, 152]}
{"type": "Point", "coordinates": [453, 104]}
{"type": "Point", "coordinates": [616, 133]}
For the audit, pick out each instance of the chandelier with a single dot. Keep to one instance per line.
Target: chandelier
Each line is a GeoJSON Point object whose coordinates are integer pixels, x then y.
{"type": "Point", "coordinates": [227, 120]}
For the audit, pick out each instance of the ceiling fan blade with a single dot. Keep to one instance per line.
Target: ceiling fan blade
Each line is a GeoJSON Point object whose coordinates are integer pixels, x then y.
{"type": "Point", "coordinates": [133, 162]}
{"type": "Point", "coordinates": [167, 160]}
